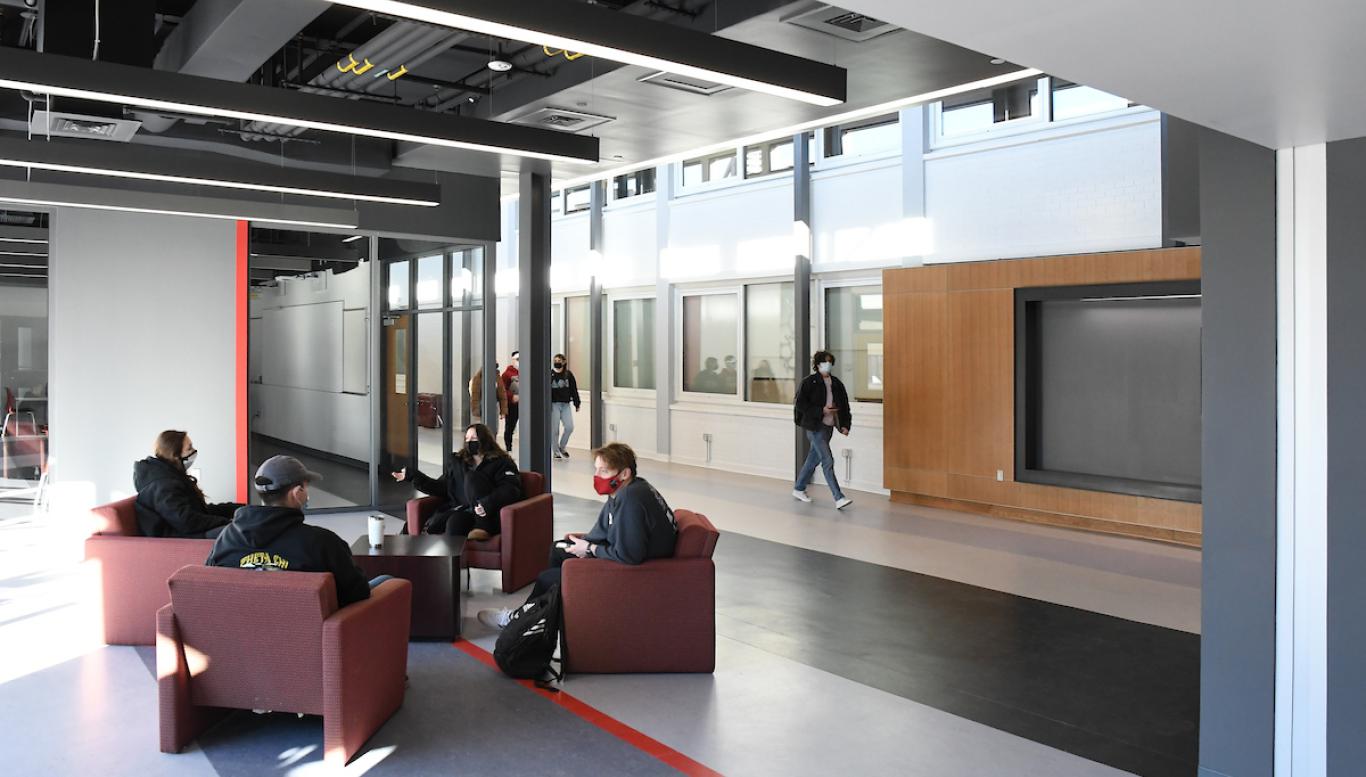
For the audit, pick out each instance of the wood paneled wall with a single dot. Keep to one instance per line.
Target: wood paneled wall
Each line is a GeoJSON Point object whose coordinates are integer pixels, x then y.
{"type": "Point", "coordinates": [950, 392]}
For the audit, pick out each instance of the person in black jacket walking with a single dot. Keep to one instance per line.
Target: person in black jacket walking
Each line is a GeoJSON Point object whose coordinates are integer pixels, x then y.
{"type": "Point", "coordinates": [564, 391]}
{"type": "Point", "coordinates": [273, 537]}
{"type": "Point", "coordinates": [634, 526]}
{"type": "Point", "coordinates": [482, 481]}
{"type": "Point", "coordinates": [170, 502]}
{"type": "Point", "coordinates": [821, 407]}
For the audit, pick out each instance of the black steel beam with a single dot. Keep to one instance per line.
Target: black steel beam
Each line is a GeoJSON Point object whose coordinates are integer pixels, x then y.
{"type": "Point", "coordinates": [142, 162]}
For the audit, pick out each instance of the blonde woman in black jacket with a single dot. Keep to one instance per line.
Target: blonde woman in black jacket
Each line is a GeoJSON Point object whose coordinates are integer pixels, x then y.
{"type": "Point", "coordinates": [820, 407]}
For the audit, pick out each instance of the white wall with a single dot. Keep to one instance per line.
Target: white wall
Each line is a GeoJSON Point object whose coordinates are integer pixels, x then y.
{"type": "Point", "coordinates": [326, 409]}
{"type": "Point", "coordinates": [1095, 186]}
{"type": "Point", "coordinates": [143, 339]}
{"type": "Point", "coordinates": [1088, 186]}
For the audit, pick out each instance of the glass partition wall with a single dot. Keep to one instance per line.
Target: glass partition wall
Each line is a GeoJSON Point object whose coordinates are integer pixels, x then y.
{"type": "Point", "coordinates": [354, 392]}
{"type": "Point", "coordinates": [23, 355]}
{"type": "Point", "coordinates": [432, 375]}
{"type": "Point", "coordinates": [308, 365]}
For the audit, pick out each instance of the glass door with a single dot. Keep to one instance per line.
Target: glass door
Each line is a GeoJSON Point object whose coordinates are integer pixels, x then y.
{"type": "Point", "coordinates": [433, 359]}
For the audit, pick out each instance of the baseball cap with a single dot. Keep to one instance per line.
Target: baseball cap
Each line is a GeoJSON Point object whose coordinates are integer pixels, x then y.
{"type": "Point", "coordinates": [279, 473]}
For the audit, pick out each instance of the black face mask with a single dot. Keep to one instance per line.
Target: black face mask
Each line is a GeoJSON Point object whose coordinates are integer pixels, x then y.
{"type": "Point", "coordinates": [472, 447]}
{"type": "Point", "coordinates": [559, 366]}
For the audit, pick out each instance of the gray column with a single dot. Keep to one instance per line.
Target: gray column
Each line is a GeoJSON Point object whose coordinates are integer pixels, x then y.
{"type": "Point", "coordinates": [801, 276]}
{"type": "Point", "coordinates": [489, 266]}
{"type": "Point", "coordinates": [1238, 573]}
{"type": "Point", "coordinates": [597, 344]}
{"type": "Point", "coordinates": [1346, 281]}
{"type": "Point", "coordinates": [1180, 182]}
{"type": "Point", "coordinates": [533, 317]}
{"type": "Point", "coordinates": [375, 379]}
{"type": "Point", "coordinates": [664, 316]}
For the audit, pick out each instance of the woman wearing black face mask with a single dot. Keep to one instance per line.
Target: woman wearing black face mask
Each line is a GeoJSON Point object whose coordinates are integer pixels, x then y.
{"type": "Point", "coordinates": [170, 502]}
{"type": "Point", "coordinates": [482, 480]}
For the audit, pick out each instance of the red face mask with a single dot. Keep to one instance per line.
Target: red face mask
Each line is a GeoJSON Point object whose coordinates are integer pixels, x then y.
{"type": "Point", "coordinates": [606, 486]}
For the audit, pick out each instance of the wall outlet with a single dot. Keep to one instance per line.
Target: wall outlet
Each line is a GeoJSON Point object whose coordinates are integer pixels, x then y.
{"type": "Point", "coordinates": [1001, 475]}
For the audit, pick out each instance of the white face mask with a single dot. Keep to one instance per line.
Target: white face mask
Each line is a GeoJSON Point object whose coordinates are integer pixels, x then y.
{"type": "Point", "coordinates": [824, 367]}
{"type": "Point", "coordinates": [189, 461]}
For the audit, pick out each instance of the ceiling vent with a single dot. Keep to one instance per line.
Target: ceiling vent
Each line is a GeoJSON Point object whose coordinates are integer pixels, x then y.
{"type": "Point", "coordinates": [684, 83]}
{"type": "Point", "coordinates": [841, 23]}
{"type": "Point", "coordinates": [76, 125]}
{"type": "Point", "coordinates": [562, 119]}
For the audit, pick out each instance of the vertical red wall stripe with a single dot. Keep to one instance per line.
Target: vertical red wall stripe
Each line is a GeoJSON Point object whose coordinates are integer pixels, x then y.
{"type": "Point", "coordinates": [243, 234]}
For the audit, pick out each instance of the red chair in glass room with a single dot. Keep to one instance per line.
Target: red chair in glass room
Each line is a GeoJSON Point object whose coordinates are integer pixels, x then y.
{"type": "Point", "coordinates": [659, 616]}
{"type": "Point", "coordinates": [522, 547]}
{"type": "Point", "coordinates": [133, 570]}
{"type": "Point", "coordinates": [251, 640]}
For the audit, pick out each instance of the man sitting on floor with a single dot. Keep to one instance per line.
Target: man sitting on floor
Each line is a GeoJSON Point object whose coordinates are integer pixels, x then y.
{"type": "Point", "coordinates": [273, 537]}
{"type": "Point", "coordinates": [634, 526]}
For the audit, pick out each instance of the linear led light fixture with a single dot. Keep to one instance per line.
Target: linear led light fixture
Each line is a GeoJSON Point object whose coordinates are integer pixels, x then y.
{"type": "Point", "coordinates": [144, 163]}
{"type": "Point", "coordinates": [159, 90]}
{"type": "Point", "coordinates": [47, 195]}
{"type": "Point", "coordinates": [4, 239]}
{"type": "Point", "coordinates": [352, 238]}
{"type": "Point", "coordinates": [21, 253]}
{"type": "Point", "coordinates": [632, 40]}
{"type": "Point", "coordinates": [781, 132]}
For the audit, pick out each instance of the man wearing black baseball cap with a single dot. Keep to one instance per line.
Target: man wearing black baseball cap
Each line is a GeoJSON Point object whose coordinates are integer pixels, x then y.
{"type": "Point", "coordinates": [273, 537]}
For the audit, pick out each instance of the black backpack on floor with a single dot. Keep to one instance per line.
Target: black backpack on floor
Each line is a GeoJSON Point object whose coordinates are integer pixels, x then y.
{"type": "Point", "coordinates": [526, 646]}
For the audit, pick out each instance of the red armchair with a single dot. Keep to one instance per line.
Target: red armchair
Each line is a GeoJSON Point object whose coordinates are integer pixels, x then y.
{"type": "Point", "coordinates": [521, 550]}
{"type": "Point", "coordinates": [659, 616]}
{"type": "Point", "coordinates": [133, 570]}
{"type": "Point", "coordinates": [244, 639]}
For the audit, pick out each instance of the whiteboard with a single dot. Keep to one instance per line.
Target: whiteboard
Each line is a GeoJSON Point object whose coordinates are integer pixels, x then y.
{"type": "Point", "coordinates": [301, 346]}
{"type": "Point", "coordinates": [353, 352]}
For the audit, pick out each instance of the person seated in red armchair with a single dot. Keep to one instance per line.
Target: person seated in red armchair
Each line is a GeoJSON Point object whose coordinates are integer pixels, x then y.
{"type": "Point", "coordinates": [634, 526]}
{"type": "Point", "coordinates": [170, 502]}
{"type": "Point", "coordinates": [274, 538]}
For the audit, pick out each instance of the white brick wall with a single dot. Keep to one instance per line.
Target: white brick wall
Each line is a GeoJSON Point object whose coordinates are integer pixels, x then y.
{"type": "Point", "coordinates": [1089, 187]}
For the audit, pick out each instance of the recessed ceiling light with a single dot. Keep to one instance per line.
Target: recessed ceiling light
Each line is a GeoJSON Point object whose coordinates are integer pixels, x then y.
{"type": "Point", "coordinates": [500, 65]}
{"type": "Point", "coordinates": [629, 39]}
{"type": "Point", "coordinates": [998, 61]}
{"type": "Point", "coordinates": [108, 82]}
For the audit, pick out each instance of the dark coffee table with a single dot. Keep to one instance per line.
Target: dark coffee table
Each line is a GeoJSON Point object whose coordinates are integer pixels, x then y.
{"type": "Point", "coordinates": [433, 564]}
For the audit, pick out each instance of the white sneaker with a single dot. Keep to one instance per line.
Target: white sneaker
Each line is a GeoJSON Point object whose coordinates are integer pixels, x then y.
{"type": "Point", "coordinates": [843, 503]}
{"type": "Point", "coordinates": [564, 453]}
{"type": "Point", "coordinates": [800, 496]}
{"type": "Point", "coordinates": [555, 455]}
{"type": "Point", "coordinates": [495, 619]}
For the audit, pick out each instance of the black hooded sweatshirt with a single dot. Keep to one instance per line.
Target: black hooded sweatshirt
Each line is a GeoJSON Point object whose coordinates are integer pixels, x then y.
{"type": "Point", "coordinates": [170, 504]}
{"type": "Point", "coordinates": [277, 539]}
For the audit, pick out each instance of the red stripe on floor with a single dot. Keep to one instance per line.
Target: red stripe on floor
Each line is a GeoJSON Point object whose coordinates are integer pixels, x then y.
{"type": "Point", "coordinates": [600, 719]}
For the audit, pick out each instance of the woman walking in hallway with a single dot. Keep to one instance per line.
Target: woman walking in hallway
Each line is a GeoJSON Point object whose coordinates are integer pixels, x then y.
{"type": "Point", "coordinates": [821, 407]}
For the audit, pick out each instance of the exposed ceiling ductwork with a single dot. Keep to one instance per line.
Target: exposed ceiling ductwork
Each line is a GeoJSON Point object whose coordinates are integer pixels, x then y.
{"type": "Point", "coordinates": [230, 39]}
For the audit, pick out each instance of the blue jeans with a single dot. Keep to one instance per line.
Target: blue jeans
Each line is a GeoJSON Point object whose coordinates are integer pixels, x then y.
{"type": "Point", "coordinates": [820, 454]}
{"type": "Point", "coordinates": [561, 413]}
{"type": "Point", "coordinates": [375, 581]}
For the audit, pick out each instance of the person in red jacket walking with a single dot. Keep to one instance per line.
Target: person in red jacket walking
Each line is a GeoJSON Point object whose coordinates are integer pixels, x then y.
{"type": "Point", "coordinates": [512, 387]}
